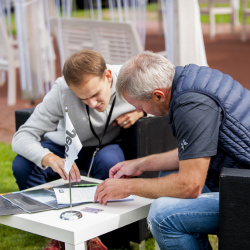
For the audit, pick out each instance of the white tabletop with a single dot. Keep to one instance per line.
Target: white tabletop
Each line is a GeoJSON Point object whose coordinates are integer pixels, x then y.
{"type": "Point", "coordinates": [75, 232]}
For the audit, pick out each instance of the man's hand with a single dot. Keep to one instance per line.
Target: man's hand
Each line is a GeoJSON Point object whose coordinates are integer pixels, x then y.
{"type": "Point", "coordinates": [187, 183]}
{"type": "Point", "coordinates": [111, 189]}
{"type": "Point", "coordinates": [128, 119]}
{"type": "Point", "coordinates": [57, 165]}
{"type": "Point", "coordinates": [126, 169]}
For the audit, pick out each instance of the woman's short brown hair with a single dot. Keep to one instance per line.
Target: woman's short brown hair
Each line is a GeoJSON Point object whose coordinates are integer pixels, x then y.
{"type": "Point", "coordinates": [84, 62]}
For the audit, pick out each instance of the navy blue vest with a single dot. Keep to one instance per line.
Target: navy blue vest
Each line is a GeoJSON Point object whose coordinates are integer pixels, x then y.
{"type": "Point", "coordinates": [234, 100]}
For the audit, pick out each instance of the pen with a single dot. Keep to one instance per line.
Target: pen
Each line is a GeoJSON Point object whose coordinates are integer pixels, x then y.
{"type": "Point", "coordinates": [86, 185]}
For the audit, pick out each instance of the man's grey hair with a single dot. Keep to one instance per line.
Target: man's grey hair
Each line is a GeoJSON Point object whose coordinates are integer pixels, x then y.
{"type": "Point", "coordinates": [143, 73]}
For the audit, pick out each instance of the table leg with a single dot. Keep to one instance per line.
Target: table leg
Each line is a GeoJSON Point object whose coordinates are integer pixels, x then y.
{"type": "Point", "coordinates": [81, 246]}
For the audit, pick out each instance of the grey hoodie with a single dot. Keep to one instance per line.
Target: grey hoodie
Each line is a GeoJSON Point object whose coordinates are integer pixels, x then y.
{"type": "Point", "coordinates": [48, 120]}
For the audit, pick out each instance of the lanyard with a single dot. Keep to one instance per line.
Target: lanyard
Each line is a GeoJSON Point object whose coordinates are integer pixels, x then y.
{"type": "Point", "coordinates": [107, 122]}
{"type": "Point", "coordinates": [94, 133]}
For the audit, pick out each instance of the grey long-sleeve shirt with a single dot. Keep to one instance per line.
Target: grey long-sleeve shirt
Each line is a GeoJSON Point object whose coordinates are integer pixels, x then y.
{"type": "Point", "coordinates": [48, 120]}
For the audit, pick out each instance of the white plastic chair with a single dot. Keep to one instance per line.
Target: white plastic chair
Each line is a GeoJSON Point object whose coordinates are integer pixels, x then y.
{"type": "Point", "coordinates": [8, 62]}
{"type": "Point", "coordinates": [245, 14]}
{"type": "Point", "coordinates": [212, 10]}
{"type": "Point", "coordinates": [116, 41]}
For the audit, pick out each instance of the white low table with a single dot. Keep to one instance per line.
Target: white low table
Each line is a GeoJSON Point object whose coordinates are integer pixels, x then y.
{"type": "Point", "coordinates": [75, 233]}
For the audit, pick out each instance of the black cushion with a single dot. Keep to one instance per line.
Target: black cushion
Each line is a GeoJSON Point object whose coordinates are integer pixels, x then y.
{"type": "Point", "coordinates": [234, 229]}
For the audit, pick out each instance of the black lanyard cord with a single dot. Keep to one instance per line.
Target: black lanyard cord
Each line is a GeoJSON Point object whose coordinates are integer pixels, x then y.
{"type": "Point", "coordinates": [107, 122]}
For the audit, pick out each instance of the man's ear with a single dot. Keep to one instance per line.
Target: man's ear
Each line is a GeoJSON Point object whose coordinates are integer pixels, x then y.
{"type": "Point", "coordinates": [159, 95]}
{"type": "Point", "coordinates": [108, 74]}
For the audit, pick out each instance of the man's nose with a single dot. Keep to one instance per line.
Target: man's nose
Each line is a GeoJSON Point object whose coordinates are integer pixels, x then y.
{"type": "Point", "coordinates": [91, 102]}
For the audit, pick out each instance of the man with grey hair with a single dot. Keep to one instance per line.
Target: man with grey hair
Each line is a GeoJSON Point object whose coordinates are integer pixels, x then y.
{"type": "Point", "coordinates": [209, 117]}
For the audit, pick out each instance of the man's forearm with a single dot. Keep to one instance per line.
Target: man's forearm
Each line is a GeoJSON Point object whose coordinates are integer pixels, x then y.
{"type": "Point", "coordinates": [160, 162]}
{"type": "Point", "coordinates": [167, 186]}
{"type": "Point", "coordinates": [186, 183]}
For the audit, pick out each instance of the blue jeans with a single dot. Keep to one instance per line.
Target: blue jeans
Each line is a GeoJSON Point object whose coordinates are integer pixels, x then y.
{"type": "Point", "coordinates": [28, 175]}
{"type": "Point", "coordinates": [185, 223]}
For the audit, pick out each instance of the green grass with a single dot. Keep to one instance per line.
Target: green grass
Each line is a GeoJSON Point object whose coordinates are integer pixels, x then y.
{"type": "Point", "coordinates": [150, 8]}
{"type": "Point", "coordinates": [11, 238]}
{"type": "Point", "coordinates": [218, 18]}
{"type": "Point", "coordinates": [14, 239]}
{"type": "Point", "coordinates": [223, 18]}
{"type": "Point", "coordinates": [7, 183]}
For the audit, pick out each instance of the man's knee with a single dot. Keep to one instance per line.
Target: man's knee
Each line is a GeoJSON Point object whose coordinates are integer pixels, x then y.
{"type": "Point", "coordinates": [110, 155]}
{"type": "Point", "coordinates": [105, 159]}
{"type": "Point", "coordinates": [154, 212]}
{"type": "Point", "coordinates": [161, 209]}
{"type": "Point", "coordinates": [21, 168]}
{"type": "Point", "coordinates": [27, 174]}
{"type": "Point", "coordinates": [19, 165]}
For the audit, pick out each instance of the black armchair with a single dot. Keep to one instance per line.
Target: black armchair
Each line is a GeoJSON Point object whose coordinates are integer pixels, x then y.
{"type": "Point", "coordinates": [147, 136]}
{"type": "Point", "coordinates": [234, 206]}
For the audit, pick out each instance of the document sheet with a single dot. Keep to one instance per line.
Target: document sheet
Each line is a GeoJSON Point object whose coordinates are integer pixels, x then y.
{"type": "Point", "coordinates": [79, 195]}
